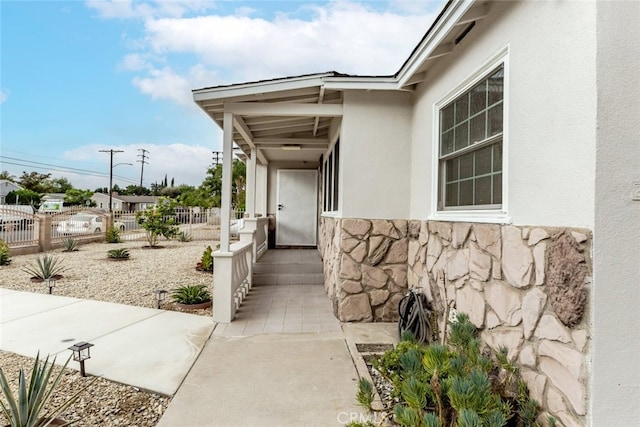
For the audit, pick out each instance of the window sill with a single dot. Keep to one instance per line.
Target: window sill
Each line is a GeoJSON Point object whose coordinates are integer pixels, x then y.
{"type": "Point", "coordinates": [493, 217]}
{"type": "Point", "coordinates": [331, 214]}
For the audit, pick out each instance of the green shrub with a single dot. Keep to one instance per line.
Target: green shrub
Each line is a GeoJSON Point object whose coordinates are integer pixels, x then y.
{"type": "Point", "coordinates": [184, 237]}
{"type": "Point", "coordinates": [120, 253]}
{"type": "Point", "coordinates": [69, 245]}
{"type": "Point", "coordinates": [113, 235]}
{"type": "Point", "coordinates": [206, 262]}
{"type": "Point", "coordinates": [454, 384]}
{"type": "Point", "coordinates": [5, 258]}
{"type": "Point", "coordinates": [26, 408]}
{"type": "Point", "coordinates": [45, 267]}
{"type": "Point", "coordinates": [191, 294]}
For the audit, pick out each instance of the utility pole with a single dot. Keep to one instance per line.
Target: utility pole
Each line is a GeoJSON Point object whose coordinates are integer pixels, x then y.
{"type": "Point", "coordinates": [142, 162]}
{"type": "Point", "coordinates": [111, 174]}
{"type": "Point", "coordinates": [217, 157]}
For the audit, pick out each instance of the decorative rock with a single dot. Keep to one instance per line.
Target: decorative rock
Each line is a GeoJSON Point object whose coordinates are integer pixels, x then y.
{"type": "Point", "coordinates": [565, 382]}
{"type": "Point", "coordinates": [557, 407]}
{"type": "Point", "coordinates": [580, 237]}
{"type": "Point", "coordinates": [378, 296]}
{"type": "Point", "coordinates": [496, 269]}
{"type": "Point", "coordinates": [539, 258]}
{"type": "Point", "coordinates": [535, 383]}
{"type": "Point", "coordinates": [356, 227]}
{"type": "Point", "coordinates": [488, 238]}
{"type": "Point", "coordinates": [532, 305]}
{"type": "Point", "coordinates": [566, 274]}
{"type": "Point", "coordinates": [348, 243]}
{"type": "Point", "coordinates": [355, 308]}
{"type": "Point", "coordinates": [479, 263]}
{"type": "Point", "coordinates": [517, 261]}
{"type": "Point", "coordinates": [471, 302]}
{"type": "Point", "coordinates": [373, 277]}
{"type": "Point", "coordinates": [385, 228]}
{"type": "Point", "coordinates": [505, 302]}
{"type": "Point", "coordinates": [492, 320]}
{"type": "Point", "coordinates": [550, 328]}
{"type": "Point", "coordinates": [525, 233]}
{"type": "Point", "coordinates": [442, 229]}
{"type": "Point", "coordinates": [580, 339]}
{"type": "Point", "coordinates": [359, 253]}
{"type": "Point", "coordinates": [477, 285]}
{"type": "Point", "coordinates": [401, 226]}
{"type": "Point", "coordinates": [349, 269]}
{"type": "Point", "coordinates": [378, 247]}
{"type": "Point", "coordinates": [414, 247]}
{"type": "Point", "coordinates": [414, 229]}
{"type": "Point", "coordinates": [389, 311]}
{"type": "Point", "coordinates": [423, 239]}
{"type": "Point", "coordinates": [397, 253]}
{"type": "Point", "coordinates": [567, 357]}
{"type": "Point", "coordinates": [457, 263]}
{"type": "Point", "coordinates": [434, 249]}
{"type": "Point", "coordinates": [398, 274]}
{"type": "Point", "coordinates": [537, 234]}
{"type": "Point", "coordinates": [413, 278]}
{"type": "Point", "coordinates": [351, 286]}
{"type": "Point", "coordinates": [527, 358]}
{"type": "Point", "coordinates": [459, 283]}
{"type": "Point", "coordinates": [459, 234]}
{"type": "Point", "coordinates": [511, 338]}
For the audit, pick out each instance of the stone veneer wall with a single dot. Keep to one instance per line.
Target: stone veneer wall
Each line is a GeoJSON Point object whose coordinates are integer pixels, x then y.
{"type": "Point", "coordinates": [526, 288]}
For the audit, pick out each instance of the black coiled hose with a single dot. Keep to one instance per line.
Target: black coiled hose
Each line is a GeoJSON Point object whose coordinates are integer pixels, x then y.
{"type": "Point", "coordinates": [413, 310]}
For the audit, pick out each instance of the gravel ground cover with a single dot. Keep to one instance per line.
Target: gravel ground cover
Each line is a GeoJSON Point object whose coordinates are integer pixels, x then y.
{"type": "Point", "coordinates": [91, 275]}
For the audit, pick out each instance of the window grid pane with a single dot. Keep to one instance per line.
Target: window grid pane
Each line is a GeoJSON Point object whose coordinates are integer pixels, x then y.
{"type": "Point", "coordinates": [473, 178]}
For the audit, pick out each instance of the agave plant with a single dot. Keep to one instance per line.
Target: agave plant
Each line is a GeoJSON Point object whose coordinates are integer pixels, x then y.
{"type": "Point", "coordinates": [45, 267]}
{"type": "Point", "coordinates": [120, 253]}
{"type": "Point", "coordinates": [70, 245]}
{"type": "Point", "coordinates": [26, 408]}
{"type": "Point", "coordinates": [191, 294]}
{"type": "Point", "coordinates": [5, 258]}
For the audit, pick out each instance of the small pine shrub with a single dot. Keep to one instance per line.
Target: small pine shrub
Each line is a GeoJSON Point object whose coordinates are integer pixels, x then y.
{"type": "Point", "coordinates": [113, 235]}
{"type": "Point", "coordinates": [206, 262]}
{"type": "Point", "coordinates": [120, 254]}
{"type": "Point", "coordinates": [69, 245]}
{"type": "Point", "coordinates": [5, 258]}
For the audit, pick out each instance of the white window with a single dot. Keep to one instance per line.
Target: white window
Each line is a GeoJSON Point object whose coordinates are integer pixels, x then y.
{"type": "Point", "coordinates": [331, 174]}
{"type": "Point", "coordinates": [470, 146]}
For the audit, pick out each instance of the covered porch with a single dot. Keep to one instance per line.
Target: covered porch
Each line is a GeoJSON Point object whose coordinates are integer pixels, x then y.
{"type": "Point", "coordinates": [278, 127]}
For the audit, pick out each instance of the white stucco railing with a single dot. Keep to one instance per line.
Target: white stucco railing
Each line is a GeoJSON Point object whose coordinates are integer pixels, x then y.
{"type": "Point", "coordinates": [232, 279]}
{"type": "Point", "coordinates": [256, 230]}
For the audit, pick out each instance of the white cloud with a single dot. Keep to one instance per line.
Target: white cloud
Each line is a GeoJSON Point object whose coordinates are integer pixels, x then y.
{"type": "Point", "coordinates": [125, 9]}
{"type": "Point", "coordinates": [134, 62]}
{"type": "Point", "coordinates": [4, 95]}
{"type": "Point", "coordinates": [165, 83]}
{"type": "Point", "coordinates": [187, 164]}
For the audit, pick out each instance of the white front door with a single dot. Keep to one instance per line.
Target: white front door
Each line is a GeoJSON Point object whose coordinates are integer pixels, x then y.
{"type": "Point", "coordinates": [297, 210]}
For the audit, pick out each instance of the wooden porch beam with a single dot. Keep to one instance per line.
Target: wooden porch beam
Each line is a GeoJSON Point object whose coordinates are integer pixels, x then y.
{"type": "Point", "coordinates": [285, 109]}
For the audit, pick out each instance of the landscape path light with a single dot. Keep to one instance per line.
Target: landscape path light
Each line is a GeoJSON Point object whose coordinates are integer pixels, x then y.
{"type": "Point", "coordinates": [81, 352]}
{"type": "Point", "coordinates": [161, 295]}
{"type": "Point", "coordinates": [51, 283]}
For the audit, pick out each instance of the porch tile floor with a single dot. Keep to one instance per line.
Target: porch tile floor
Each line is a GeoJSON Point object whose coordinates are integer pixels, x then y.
{"type": "Point", "coordinates": [282, 309]}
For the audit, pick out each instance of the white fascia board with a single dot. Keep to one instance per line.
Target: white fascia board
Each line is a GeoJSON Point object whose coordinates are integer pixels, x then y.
{"type": "Point", "coordinates": [434, 39]}
{"type": "Point", "coordinates": [361, 83]}
{"type": "Point", "coordinates": [283, 109]}
{"type": "Point", "coordinates": [258, 87]}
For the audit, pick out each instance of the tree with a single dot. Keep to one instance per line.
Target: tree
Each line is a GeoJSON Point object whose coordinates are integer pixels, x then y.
{"type": "Point", "coordinates": [74, 197]}
{"type": "Point", "coordinates": [213, 183]}
{"type": "Point", "coordinates": [136, 190]}
{"type": "Point", "coordinates": [23, 197]}
{"type": "Point", "coordinates": [159, 221]}
{"type": "Point", "coordinates": [7, 176]}
{"type": "Point", "coordinates": [38, 182]}
{"type": "Point", "coordinates": [61, 185]}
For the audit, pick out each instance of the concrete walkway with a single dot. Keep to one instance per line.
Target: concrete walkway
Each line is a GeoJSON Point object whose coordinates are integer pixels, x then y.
{"type": "Point", "coordinates": [147, 348]}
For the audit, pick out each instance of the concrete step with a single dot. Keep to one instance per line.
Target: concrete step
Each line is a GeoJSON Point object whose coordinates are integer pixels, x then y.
{"type": "Point", "coordinates": [287, 268]}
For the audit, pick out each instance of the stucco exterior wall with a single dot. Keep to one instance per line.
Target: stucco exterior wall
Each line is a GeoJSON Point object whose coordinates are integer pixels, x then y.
{"type": "Point", "coordinates": [550, 110]}
{"type": "Point", "coordinates": [375, 155]}
{"type": "Point", "coordinates": [616, 342]}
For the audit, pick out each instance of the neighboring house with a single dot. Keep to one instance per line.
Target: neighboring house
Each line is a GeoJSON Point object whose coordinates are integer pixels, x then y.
{"type": "Point", "coordinates": [7, 187]}
{"type": "Point", "coordinates": [123, 203]}
{"type": "Point", "coordinates": [498, 170]}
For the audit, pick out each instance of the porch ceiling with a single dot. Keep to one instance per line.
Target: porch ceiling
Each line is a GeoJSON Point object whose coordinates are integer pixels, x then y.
{"type": "Point", "coordinates": [283, 121]}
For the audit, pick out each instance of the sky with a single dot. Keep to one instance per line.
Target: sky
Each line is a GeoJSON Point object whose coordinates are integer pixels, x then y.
{"type": "Point", "coordinates": [78, 77]}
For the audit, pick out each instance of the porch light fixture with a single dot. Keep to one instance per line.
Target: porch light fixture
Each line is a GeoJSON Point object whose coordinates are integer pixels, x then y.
{"type": "Point", "coordinates": [81, 353]}
{"type": "Point", "coordinates": [51, 283]}
{"type": "Point", "coordinates": [161, 295]}
{"type": "Point", "coordinates": [291, 147]}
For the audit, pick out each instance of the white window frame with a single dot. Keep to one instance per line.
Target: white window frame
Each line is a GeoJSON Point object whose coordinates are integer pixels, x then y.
{"type": "Point", "coordinates": [334, 179]}
{"type": "Point", "coordinates": [470, 214]}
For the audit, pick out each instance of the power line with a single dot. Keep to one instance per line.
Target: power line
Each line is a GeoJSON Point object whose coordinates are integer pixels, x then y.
{"type": "Point", "coordinates": [57, 168]}
{"type": "Point", "coordinates": [142, 163]}
{"type": "Point", "coordinates": [111, 152]}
